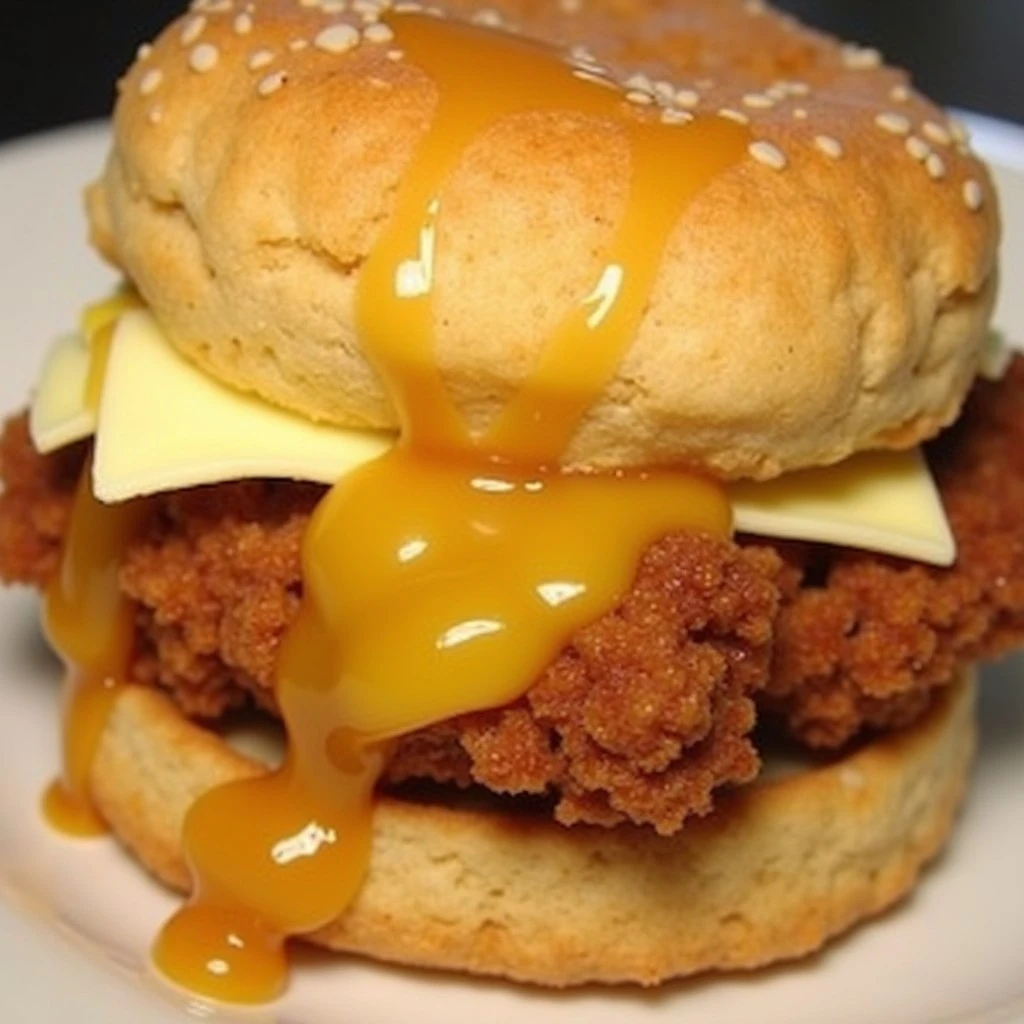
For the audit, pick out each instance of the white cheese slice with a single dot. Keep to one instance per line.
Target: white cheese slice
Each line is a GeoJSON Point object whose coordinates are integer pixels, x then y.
{"type": "Point", "coordinates": [878, 501]}
{"type": "Point", "coordinates": [164, 425]}
{"type": "Point", "coordinates": [60, 415]}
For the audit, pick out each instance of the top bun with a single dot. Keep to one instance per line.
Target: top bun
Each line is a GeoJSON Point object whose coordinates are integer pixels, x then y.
{"type": "Point", "coordinates": [828, 293]}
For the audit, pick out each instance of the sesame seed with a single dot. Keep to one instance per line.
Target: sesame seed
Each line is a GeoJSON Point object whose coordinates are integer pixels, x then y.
{"type": "Point", "coordinates": [829, 146]}
{"type": "Point", "coordinates": [594, 69]}
{"type": "Point", "coordinates": [334, 6]}
{"type": "Point", "coordinates": [204, 58]}
{"type": "Point", "coordinates": [435, 11]}
{"type": "Point", "coordinates": [936, 133]}
{"type": "Point", "coordinates": [796, 88]}
{"type": "Point", "coordinates": [395, 55]}
{"type": "Point", "coordinates": [570, 6]}
{"type": "Point", "coordinates": [734, 115]}
{"type": "Point", "coordinates": [581, 53]}
{"type": "Point", "coordinates": [193, 29]}
{"type": "Point", "coordinates": [408, 7]}
{"type": "Point", "coordinates": [959, 131]}
{"type": "Point", "coordinates": [800, 114]}
{"type": "Point", "coordinates": [670, 116]}
{"type": "Point", "coordinates": [639, 81]}
{"type": "Point", "coordinates": [488, 17]}
{"type": "Point", "coordinates": [271, 83]}
{"type": "Point", "coordinates": [758, 101]}
{"type": "Point", "coordinates": [638, 96]}
{"type": "Point", "coordinates": [899, 94]}
{"type": "Point", "coordinates": [151, 81]}
{"type": "Point", "coordinates": [298, 45]}
{"type": "Point", "coordinates": [665, 91]}
{"type": "Point", "coordinates": [260, 59]}
{"type": "Point", "coordinates": [754, 7]}
{"type": "Point", "coordinates": [213, 6]}
{"type": "Point", "coordinates": [155, 115]}
{"type": "Point", "coordinates": [918, 148]}
{"type": "Point", "coordinates": [860, 58]}
{"type": "Point", "coordinates": [379, 33]}
{"type": "Point", "coordinates": [593, 77]}
{"type": "Point", "coordinates": [686, 98]}
{"type": "Point", "coordinates": [768, 153]}
{"type": "Point", "coordinates": [243, 24]}
{"type": "Point", "coordinates": [337, 39]}
{"type": "Point", "coordinates": [145, 51]}
{"type": "Point", "coordinates": [935, 166]}
{"type": "Point", "coordinates": [309, 3]}
{"type": "Point", "coordinates": [973, 195]}
{"type": "Point", "coordinates": [892, 122]}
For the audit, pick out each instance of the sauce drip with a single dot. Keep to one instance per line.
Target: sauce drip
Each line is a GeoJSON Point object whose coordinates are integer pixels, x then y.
{"type": "Point", "coordinates": [670, 164]}
{"type": "Point", "coordinates": [90, 624]}
{"type": "Point", "coordinates": [443, 577]}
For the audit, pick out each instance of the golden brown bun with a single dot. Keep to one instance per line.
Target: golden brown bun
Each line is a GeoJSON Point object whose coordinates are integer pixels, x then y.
{"type": "Point", "coordinates": [779, 868]}
{"type": "Point", "coordinates": [800, 314]}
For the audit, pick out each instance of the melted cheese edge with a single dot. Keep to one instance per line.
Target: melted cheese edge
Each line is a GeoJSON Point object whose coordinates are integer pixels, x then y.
{"type": "Point", "coordinates": [164, 425]}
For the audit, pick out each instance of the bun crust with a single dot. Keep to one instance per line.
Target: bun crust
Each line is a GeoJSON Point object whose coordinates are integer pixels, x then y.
{"type": "Point", "coordinates": [530, 900]}
{"type": "Point", "coordinates": [800, 314]}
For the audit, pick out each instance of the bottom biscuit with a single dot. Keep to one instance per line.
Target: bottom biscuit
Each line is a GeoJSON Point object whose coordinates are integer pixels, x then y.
{"type": "Point", "coordinates": [779, 867]}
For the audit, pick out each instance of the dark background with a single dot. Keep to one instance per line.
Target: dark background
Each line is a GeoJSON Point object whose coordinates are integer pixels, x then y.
{"type": "Point", "coordinates": [59, 58]}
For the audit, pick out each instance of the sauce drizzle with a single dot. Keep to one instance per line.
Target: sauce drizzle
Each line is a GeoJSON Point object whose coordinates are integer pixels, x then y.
{"type": "Point", "coordinates": [443, 577]}
{"type": "Point", "coordinates": [90, 624]}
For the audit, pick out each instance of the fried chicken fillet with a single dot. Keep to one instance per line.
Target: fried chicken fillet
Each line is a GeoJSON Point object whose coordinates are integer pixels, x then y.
{"type": "Point", "coordinates": [645, 713]}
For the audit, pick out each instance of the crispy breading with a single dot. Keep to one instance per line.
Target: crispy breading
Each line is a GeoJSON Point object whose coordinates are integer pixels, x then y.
{"type": "Point", "coordinates": [216, 579]}
{"type": "Point", "coordinates": [34, 505]}
{"type": "Point", "coordinates": [646, 711]}
{"type": "Point", "coordinates": [642, 716]}
{"type": "Point", "coordinates": [862, 640]}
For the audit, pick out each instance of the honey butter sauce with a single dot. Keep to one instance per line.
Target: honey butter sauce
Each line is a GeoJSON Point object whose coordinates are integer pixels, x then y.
{"type": "Point", "coordinates": [441, 578]}
{"type": "Point", "coordinates": [90, 624]}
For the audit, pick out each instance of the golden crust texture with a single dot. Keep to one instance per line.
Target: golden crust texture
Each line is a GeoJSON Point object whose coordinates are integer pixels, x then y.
{"type": "Point", "coordinates": [458, 889]}
{"type": "Point", "coordinates": [832, 302]}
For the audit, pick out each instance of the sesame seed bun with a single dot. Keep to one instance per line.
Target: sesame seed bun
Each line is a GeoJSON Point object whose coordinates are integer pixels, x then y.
{"type": "Point", "coordinates": [827, 293]}
{"type": "Point", "coordinates": [781, 865]}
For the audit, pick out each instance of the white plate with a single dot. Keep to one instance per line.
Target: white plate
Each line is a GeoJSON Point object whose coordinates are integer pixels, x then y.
{"type": "Point", "coordinates": [78, 917]}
